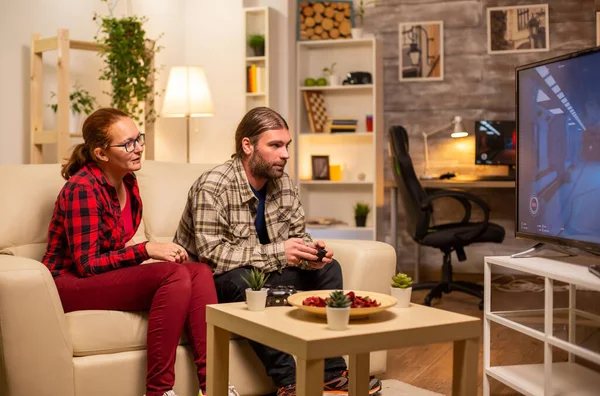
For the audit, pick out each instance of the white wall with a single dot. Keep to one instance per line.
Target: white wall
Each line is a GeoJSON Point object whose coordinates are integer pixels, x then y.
{"type": "Point", "coordinates": [195, 32]}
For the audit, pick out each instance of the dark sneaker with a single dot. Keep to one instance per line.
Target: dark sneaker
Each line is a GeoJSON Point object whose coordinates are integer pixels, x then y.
{"type": "Point", "coordinates": [339, 385]}
{"type": "Point", "coordinates": [289, 390]}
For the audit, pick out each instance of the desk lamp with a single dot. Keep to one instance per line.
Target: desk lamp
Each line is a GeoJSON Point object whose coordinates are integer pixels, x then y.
{"type": "Point", "coordinates": [458, 132]}
{"type": "Point", "coordinates": [187, 96]}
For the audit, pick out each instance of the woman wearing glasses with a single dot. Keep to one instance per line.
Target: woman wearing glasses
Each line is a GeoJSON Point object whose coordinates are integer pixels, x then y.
{"type": "Point", "coordinates": [95, 262]}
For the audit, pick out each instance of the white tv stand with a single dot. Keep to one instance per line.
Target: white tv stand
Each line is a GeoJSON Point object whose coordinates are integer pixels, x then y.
{"type": "Point", "coordinates": [565, 378]}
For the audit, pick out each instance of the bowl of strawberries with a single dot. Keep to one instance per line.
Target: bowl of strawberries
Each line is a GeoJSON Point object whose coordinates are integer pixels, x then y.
{"type": "Point", "coordinates": [363, 303]}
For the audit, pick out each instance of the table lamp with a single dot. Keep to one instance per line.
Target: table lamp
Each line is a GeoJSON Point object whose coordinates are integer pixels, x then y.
{"type": "Point", "coordinates": [458, 132]}
{"type": "Point", "coordinates": [187, 96]}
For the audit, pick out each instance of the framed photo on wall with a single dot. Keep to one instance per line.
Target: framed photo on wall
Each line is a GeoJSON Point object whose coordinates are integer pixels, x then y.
{"type": "Point", "coordinates": [320, 167]}
{"type": "Point", "coordinates": [421, 51]}
{"type": "Point", "coordinates": [324, 20]}
{"type": "Point", "coordinates": [521, 28]}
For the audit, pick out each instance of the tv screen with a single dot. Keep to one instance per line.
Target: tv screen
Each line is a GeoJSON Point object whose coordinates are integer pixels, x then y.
{"type": "Point", "coordinates": [495, 142]}
{"type": "Point", "coordinates": [558, 140]}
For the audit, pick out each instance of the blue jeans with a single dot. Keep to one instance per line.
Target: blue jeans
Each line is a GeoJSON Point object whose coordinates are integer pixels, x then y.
{"type": "Point", "coordinates": [280, 366]}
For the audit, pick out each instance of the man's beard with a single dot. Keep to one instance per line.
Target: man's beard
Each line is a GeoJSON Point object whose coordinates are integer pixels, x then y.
{"type": "Point", "coordinates": [263, 169]}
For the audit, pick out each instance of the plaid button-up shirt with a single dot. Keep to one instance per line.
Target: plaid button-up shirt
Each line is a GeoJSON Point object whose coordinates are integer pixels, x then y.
{"type": "Point", "coordinates": [86, 234]}
{"type": "Point", "coordinates": [217, 225]}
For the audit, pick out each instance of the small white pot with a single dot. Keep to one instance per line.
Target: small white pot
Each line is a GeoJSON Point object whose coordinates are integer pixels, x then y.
{"type": "Point", "coordinates": [403, 296]}
{"type": "Point", "coordinates": [256, 299]}
{"type": "Point", "coordinates": [334, 80]}
{"type": "Point", "coordinates": [357, 33]}
{"type": "Point", "coordinates": [338, 318]}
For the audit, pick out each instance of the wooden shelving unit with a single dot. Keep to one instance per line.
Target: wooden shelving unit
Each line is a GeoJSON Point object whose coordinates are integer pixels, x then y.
{"type": "Point", "coordinates": [355, 152]}
{"type": "Point", "coordinates": [61, 136]}
{"type": "Point", "coordinates": [258, 21]}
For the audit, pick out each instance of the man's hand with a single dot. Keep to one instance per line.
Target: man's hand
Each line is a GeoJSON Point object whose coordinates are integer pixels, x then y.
{"type": "Point", "coordinates": [296, 251]}
{"type": "Point", "coordinates": [326, 260]}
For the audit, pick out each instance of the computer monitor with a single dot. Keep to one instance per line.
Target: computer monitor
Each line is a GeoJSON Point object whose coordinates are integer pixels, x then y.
{"type": "Point", "coordinates": [495, 142]}
{"type": "Point", "coordinates": [558, 157]}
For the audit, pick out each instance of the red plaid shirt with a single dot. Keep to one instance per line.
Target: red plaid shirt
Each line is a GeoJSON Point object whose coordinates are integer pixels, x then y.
{"type": "Point", "coordinates": [86, 234]}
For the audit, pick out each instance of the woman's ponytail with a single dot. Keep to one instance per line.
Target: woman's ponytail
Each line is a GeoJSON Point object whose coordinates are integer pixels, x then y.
{"type": "Point", "coordinates": [79, 157]}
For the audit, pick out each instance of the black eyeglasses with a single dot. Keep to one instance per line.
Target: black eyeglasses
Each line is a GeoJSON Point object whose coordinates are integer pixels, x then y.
{"type": "Point", "coordinates": [129, 146]}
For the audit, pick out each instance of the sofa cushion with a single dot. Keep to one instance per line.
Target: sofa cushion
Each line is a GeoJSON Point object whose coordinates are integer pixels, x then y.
{"type": "Point", "coordinates": [99, 332]}
{"type": "Point", "coordinates": [164, 188]}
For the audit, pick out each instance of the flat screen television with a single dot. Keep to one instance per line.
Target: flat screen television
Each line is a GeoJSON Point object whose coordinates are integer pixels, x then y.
{"type": "Point", "coordinates": [495, 142]}
{"type": "Point", "coordinates": [558, 156]}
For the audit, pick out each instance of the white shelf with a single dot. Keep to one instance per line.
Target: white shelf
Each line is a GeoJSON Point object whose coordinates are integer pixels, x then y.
{"type": "Point", "coordinates": [255, 94]}
{"type": "Point", "coordinates": [335, 43]}
{"type": "Point", "coordinates": [567, 379]}
{"type": "Point", "coordinates": [258, 21]}
{"type": "Point", "coordinates": [335, 134]}
{"type": "Point", "coordinates": [350, 87]}
{"type": "Point", "coordinates": [334, 183]}
{"type": "Point", "coordinates": [256, 59]}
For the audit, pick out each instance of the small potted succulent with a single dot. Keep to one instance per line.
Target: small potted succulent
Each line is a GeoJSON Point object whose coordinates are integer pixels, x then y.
{"type": "Point", "coordinates": [361, 211]}
{"type": "Point", "coordinates": [330, 75]}
{"type": "Point", "coordinates": [359, 13]}
{"type": "Point", "coordinates": [257, 43]}
{"type": "Point", "coordinates": [338, 310]}
{"type": "Point", "coordinates": [402, 289]}
{"type": "Point", "coordinates": [256, 293]}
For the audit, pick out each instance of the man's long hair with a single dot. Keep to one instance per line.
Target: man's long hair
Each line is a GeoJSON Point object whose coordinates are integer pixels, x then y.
{"type": "Point", "coordinates": [255, 122]}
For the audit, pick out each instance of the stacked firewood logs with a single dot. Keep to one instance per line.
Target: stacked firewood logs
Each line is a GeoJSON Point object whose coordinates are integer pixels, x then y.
{"type": "Point", "coordinates": [325, 20]}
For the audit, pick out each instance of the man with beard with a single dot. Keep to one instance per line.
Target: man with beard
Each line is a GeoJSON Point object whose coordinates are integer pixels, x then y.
{"type": "Point", "coordinates": [247, 213]}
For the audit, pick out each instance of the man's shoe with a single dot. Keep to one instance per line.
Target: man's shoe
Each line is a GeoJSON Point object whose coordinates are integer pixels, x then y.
{"type": "Point", "coordinates": [288, 390]}
{"type": "Point", "coordinates": [339, 385]}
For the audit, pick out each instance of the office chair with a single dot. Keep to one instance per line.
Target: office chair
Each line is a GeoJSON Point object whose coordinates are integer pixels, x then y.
{"type": "Point", "coordinates": [449, 237]}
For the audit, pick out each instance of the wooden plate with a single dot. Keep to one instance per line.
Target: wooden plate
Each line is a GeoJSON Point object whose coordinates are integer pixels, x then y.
{"type": "Point", "coordinates": [386, 301]}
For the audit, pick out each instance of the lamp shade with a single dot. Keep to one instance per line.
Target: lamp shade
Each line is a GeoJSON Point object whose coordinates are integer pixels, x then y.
{"type": "Point", "coordinates": [187, 93]}
{"type": "Point", "coordinates": [459, 128]}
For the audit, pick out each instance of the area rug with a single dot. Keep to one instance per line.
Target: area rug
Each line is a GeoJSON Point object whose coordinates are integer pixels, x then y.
{"type": "Point", "coordinates": [394, 387]}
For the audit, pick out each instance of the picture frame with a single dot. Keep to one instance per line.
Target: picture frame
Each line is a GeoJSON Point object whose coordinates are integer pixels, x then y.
{"type": "Point", "coordinates": [324, 20]}
{"type": "Point", "coordinates": [421, 51]}
{"type": "Point", "coordinates": [515, 29]}
{"type": "Point", "coordinates": [320, 167]}
{"type": "Point", "coordinates": [316, 111]}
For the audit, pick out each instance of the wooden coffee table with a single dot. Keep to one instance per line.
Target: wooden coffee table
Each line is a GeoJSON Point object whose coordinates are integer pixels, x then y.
{"type": "Point", "coordinates": [307, 337]}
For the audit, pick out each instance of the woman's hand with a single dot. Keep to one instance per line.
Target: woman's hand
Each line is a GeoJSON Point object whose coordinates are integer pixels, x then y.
{"type": "Point", "coordinates": [168, 251]}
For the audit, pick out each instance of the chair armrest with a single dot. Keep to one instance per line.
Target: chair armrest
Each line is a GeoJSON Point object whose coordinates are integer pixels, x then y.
{"type": "Point", "coordinates": [36, 352]}
{"type": "Point", "coordinates": [366, 265]}
{"type": "Point", "coordinates": [464, 198]}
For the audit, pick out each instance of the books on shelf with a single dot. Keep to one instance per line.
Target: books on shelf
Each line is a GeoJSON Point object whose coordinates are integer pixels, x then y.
{"type": "Point", "coordinates": [336, 125]}
{"type": "Point", "coordinates": [255, 79]}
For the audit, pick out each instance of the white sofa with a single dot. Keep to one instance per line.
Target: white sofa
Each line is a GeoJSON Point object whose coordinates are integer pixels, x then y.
{"type": "Point", "coordinates": [45, 352]}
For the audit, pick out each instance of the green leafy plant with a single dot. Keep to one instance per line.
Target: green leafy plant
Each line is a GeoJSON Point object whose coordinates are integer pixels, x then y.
{"type": "Point", "coordinates": [401, 281]}
{"type": "Point", "coordinates": [361, 209]}
{"type": "Point", "coordinates": [80, 100]}
{"type": "Point", "coordinates": [128, 63]}
{"type": "Point", "coordinates": [328, 71]}
{"type": "Point", "coordinates": [337, 299]}
{"type": "Point", "coordinates": [257, 279]}
{"type": "Point", "coordinates": [360, 10]}
{"type": "Point", "coordinates": [256, 41]}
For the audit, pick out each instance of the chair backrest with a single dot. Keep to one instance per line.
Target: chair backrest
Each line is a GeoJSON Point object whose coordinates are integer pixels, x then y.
{"type": "Point", "coordinates": [411, 192]}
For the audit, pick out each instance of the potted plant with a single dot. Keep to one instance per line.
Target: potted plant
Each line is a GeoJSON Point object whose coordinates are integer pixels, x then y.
{"type": "Point", "coordinates": [338, 310]}
{"type": "Point", "coordinates": [257, 43]}
{"type": "Point", "coordinates": [361, 211]}
{"type": "Point", "coordinates": [256, 294]}
{"type": "Point", "coordinates": [402, 289]}
{"type": "Point", "coordinates": [330, 75]}
{"type": "Point", "coordinates": [80, 101]}
{"type": "Point", "coordinates": [128, 58]}
{"type": "Point", "coordinates": [357, 30]}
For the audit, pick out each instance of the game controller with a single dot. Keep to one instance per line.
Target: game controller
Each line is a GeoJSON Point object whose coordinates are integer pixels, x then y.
{"type": "Point", "coordinates": [320, 255]}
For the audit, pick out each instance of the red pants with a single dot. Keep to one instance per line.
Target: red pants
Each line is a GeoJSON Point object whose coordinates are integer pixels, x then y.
{"type": "Point", "coordinates": [175, 294]}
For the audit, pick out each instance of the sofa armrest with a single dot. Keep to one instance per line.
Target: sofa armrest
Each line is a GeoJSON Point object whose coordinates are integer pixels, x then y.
{"type": "Point", "coordinates": [36, 355]}
{"type": "Point", "coordinates": [366, 265]}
